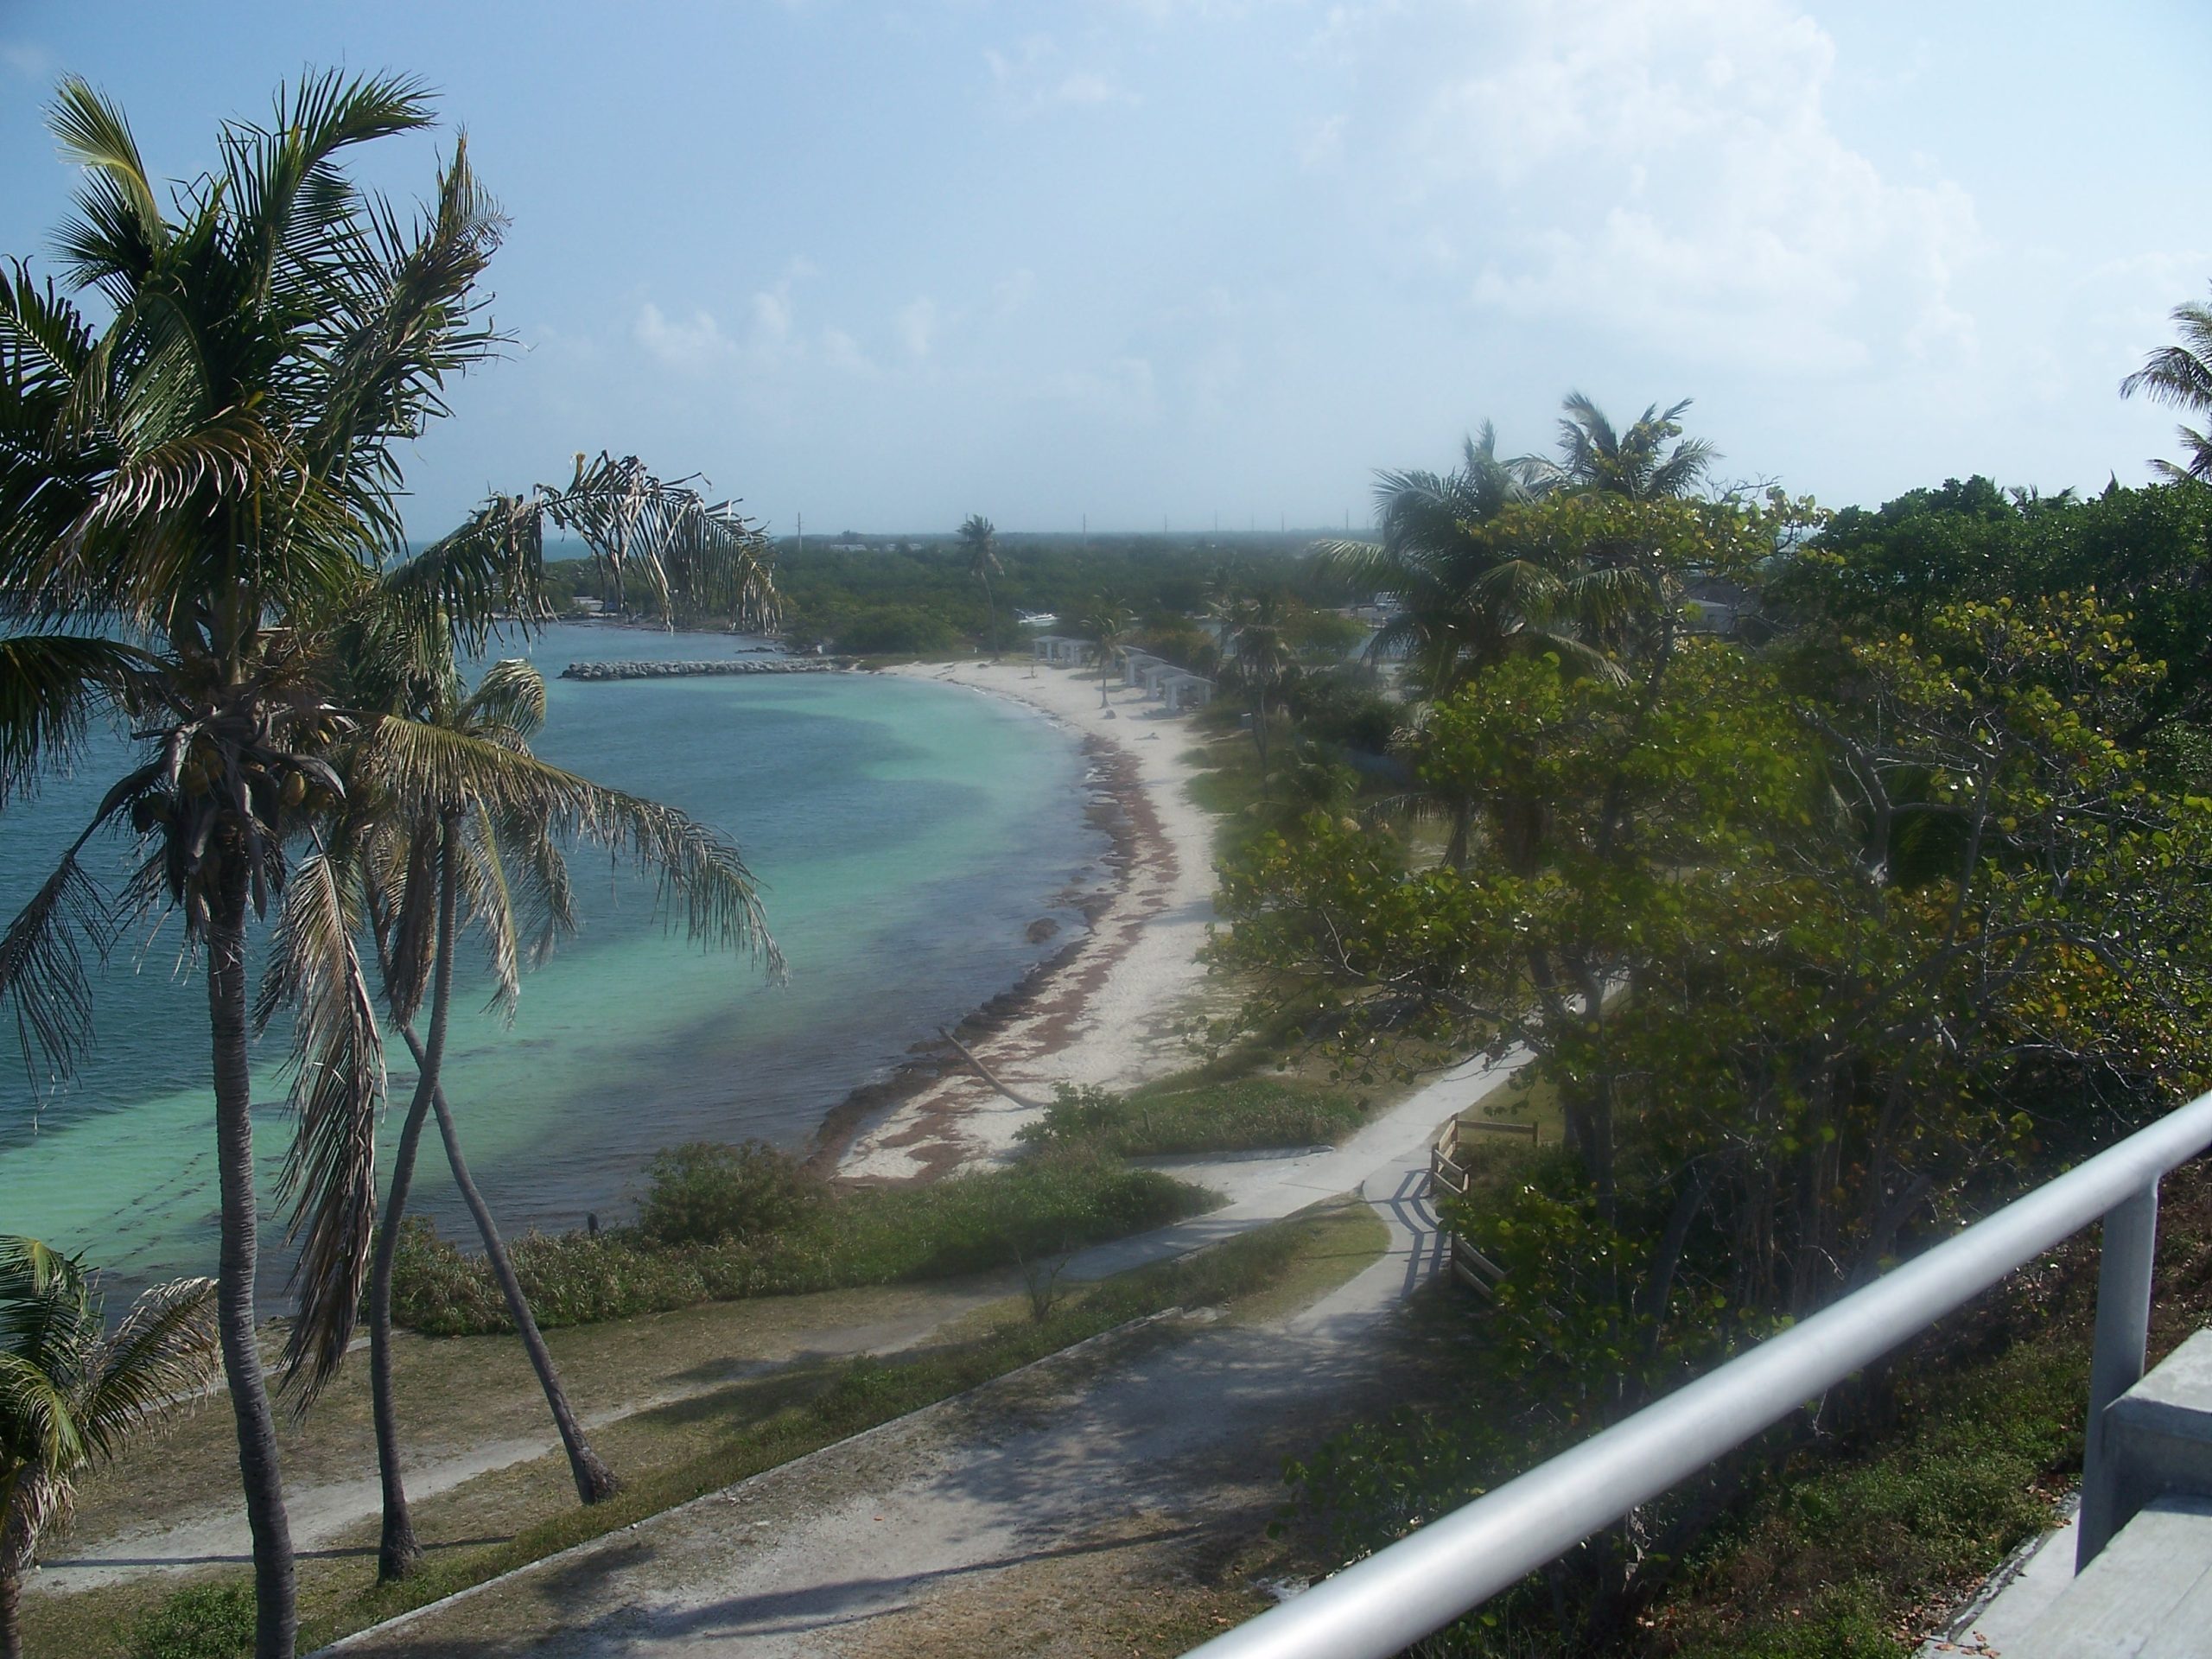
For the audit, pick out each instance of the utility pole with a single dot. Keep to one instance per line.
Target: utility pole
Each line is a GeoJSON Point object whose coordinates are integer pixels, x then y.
{"type": "Point", "coordinates": [802, 532]}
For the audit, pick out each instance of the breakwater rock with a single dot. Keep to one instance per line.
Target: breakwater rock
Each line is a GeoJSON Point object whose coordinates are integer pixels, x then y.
{"type": "Point", "coordinates": [685, 671]}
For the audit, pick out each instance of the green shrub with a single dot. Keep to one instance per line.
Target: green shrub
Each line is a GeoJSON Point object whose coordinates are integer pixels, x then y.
{"type": "Point", "coordinates": [1059, 1200]}
{"type": "Point", "coordinates": [894, 631]}
{"type": "Point", "coordinates": [703, 1192]}
{"type": "Point", "coordinates": [204, 1621]}
{"type": "Point", "coordinates": [1249, 1115]}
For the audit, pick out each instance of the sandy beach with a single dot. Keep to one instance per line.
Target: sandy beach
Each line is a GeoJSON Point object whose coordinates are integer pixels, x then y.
{"type": "Point", "coordinates": [1109, 1011]}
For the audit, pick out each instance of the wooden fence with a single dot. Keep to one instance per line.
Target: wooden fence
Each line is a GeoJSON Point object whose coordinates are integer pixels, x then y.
{"type": "Point", "coordinates": [1448, 1178]}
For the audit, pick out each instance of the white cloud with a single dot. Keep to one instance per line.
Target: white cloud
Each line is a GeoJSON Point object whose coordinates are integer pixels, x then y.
{"type": "Point", "coordinates": [772, 314]}
{"type": "Point", "coordinates": [842, 352]}
{"type": "Point", "coordinates": [1665, 169]}
{"type": "Point", "coordinates": [918, 325]}
{"type": "Point", "coordinates": [1033, 77]}
{"type": "Point", "coordinates": [31, 62]}
{"type": "Point", "coordinates": [690, 345]}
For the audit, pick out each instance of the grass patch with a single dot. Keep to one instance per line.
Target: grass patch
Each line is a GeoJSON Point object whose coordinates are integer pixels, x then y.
{"type": "Point", "coordinates": [1045, 1204]}
{"type": "Point", "coordinates": [1249, 1113]}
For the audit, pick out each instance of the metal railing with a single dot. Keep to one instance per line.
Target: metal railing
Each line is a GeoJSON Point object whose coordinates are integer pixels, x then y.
{"type": "Point", "coordinates": [1377, 1607]}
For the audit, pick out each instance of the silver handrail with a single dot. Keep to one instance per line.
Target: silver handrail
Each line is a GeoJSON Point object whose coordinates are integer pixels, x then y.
{"type": "Point", "coordinates": [1377, 1607]}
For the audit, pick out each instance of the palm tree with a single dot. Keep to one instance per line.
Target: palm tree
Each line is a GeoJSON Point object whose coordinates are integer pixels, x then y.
{"type": "Point", "coordinates": [73, 1392]}
{"type": "Point", "coordinates": [1594, 457]}
{"type": "Point", "coordinates": [2182, 376]}
{"type": "Point", "coordinates": [453, 811]}
{"type": "Point", "coordinates": [1108, 624]}
{"type": "Point", "coordinates": [204, 479]}
{"type": "Point", "coordinates": [980, 538]}
{"type": "Point", "coordinates": [188, 498]}
{"type": "Point", "coordinates": [1258, 656]}
{"type": "Point", "coordinates": [1459, 600]}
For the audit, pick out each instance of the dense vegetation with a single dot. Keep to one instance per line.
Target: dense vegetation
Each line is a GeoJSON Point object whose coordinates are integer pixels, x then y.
{"type": "Point", "coordinates": [1832, 923]}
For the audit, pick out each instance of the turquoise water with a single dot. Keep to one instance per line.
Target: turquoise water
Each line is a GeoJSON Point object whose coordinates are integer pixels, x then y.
{"type": "Point", "coordinates": [905, 835]}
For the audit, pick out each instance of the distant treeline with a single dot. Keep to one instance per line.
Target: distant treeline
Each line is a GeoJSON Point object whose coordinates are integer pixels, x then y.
{"type": "Point", "coordinates": [892, 595]}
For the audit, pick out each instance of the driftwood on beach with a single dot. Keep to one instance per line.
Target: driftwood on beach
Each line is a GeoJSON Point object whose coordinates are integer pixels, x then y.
{"type": "Point", "coordinates": [685, 671]}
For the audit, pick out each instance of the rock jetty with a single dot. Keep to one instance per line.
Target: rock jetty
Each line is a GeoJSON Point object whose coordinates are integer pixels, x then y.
{"type": "Point", "coordinates": [684, 670]}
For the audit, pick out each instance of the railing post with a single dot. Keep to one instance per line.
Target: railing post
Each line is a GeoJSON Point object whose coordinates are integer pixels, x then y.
{"type": "Point", "coordinates": [2126, 1253]}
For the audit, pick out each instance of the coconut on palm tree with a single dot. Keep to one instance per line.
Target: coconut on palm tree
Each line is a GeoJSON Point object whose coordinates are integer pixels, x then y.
{"type": "Point", "coordinates": [202, 479]}
{"type": "Point", "coordinates": [980, 538]}
{"type": "Point", "coordinates": [74, 1392]}
{"type": "Point", "coordinates": [2182, 376]}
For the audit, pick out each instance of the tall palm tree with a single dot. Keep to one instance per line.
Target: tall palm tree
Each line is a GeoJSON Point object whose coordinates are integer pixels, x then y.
{"type": "Point", "coordinates": [204, 478]}
{"type": "Point", "coordinates": [73, 1392]}
{"type": "Point", "coordinates": [1108, 624]}
{"type": "Point", "coordinates": [1638, 462]}
{"type": "Point", "coordinates": [980, 538]}
{"type": "Point", "coordinates": [1458, 601]}
{"type": "Point", "coordinates": [453, 812]}
{"type": "Point", "coordinates": [2182, 376]}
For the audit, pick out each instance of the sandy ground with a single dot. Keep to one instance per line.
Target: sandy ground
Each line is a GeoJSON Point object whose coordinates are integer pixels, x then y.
{"type": "Point", "coordinates": [1111, 1014]}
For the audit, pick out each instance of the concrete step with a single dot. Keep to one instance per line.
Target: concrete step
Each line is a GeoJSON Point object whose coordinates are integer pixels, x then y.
{"type": "Point", "coordinates": [2147, 1596]}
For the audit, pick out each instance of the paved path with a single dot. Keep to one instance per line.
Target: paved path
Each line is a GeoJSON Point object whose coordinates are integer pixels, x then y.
{"type": "Point", "coordinates": [1144, 1436]}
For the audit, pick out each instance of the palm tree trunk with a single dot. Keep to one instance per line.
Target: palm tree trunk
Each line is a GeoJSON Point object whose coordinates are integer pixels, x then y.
{"type": "Point", "coordinates": [595, 1480]}
{"type": "Point", "coordinates": [398, 1553]}
{"type": "Point", "coordinates": [11, 1595]}
{"type": "Point", "coordinates": [276, 1612]}
{"type": "Point", "coordinates": [991, 615]}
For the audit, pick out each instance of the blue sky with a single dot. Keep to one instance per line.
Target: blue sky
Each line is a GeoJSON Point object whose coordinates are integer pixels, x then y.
{"type": "Point", "coordinates": [1147, 260]}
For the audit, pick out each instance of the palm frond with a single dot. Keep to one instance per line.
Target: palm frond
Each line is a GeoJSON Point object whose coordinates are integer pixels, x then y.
{"type": "Point", "coordinates": [491, 908]}
{"type": "Point", "coordinates": [337, 1062]}
{"type": "Point", "coordinates": [42, 972]}
{"type": "Point", "coordinates": [50, 687]}
{"type": "Point", "coordinates": [509, 700]}
{"type": "Point", "coordinates": [119, 230]}
{"type": "Point", "coordinates": [164, 1348]}
{"type": "Point", "coordinates": [465, 580]}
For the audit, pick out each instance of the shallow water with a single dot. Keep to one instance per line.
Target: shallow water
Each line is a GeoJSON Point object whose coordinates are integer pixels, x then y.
{"type": "Point", "coordinates": [905, 835]}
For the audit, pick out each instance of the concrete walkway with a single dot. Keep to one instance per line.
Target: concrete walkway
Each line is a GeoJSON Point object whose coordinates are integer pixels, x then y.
{"type": "Point", "coordinates": [924, 1530]}
{"type": "Point", "coordinates": [1261, 1187]}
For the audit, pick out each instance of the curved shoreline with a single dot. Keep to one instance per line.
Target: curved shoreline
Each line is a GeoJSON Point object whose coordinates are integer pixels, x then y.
{"type": "Point", "coordinates": [1105, 1010]}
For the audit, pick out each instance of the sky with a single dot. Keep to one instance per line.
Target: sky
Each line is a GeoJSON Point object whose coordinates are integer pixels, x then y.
{"type": "Point", "coordinates": [1129, 264]}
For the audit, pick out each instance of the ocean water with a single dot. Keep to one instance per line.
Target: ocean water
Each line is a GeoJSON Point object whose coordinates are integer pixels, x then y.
{"type": "Point", "coordinates": [905, 835]}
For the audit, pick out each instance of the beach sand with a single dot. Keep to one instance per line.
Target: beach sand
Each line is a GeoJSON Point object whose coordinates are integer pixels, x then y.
{"type": "Point", "coordinates": [1110, 1013]}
